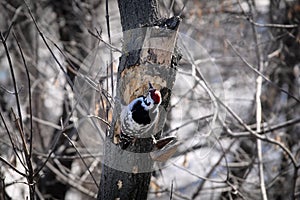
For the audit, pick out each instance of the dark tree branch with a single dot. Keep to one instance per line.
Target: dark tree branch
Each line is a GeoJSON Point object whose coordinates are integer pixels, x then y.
{"type": "Point", "coordinates": [29, 94]}
{"type": "Point", "coordinates": [126, 173]}
{"type": "Point", "coordinates": [13, 79]}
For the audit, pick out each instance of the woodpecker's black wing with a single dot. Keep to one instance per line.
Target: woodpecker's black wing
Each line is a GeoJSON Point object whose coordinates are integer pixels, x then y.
{"type": "Point", "coordinates": [139, 114]}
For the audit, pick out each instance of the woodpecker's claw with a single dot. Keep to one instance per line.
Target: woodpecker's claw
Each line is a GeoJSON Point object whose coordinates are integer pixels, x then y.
{"type": "Point", "coordinates": [125, 140]}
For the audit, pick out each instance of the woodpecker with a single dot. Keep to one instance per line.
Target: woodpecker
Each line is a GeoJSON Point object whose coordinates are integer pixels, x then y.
{"type": "Point", "coordinates": [139, 116]}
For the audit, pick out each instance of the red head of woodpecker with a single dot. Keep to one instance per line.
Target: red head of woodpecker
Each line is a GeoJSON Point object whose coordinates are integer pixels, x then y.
{"type": "Point", "coordinates": [153, 98]}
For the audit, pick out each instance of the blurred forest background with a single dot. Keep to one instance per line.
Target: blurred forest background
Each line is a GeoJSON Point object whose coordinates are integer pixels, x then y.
{"type": "Point", "coordinates": [250, 48]}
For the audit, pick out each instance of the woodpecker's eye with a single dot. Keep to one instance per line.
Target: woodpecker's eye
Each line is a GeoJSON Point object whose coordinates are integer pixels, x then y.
{"type": "Point", "coordinates": [155, 95]}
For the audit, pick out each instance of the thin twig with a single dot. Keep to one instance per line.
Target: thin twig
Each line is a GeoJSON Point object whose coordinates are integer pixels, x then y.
{"type": "Point", "coordinates": [258, 136]}
{"type": "Point", "coordinates": [170, 9]}
{"type": "Point", "coordinates": [110, 50]}
{"type": "Point", "coordinates": [51, 150]}
{"type": "Point", "coordinates": [200, 79]}
{"type": "Point", "coordinates": [72, 143]}
{"type": "Point", "coordinates": [47, 45]}
{"type": "Point", "coordinates": [259, 108]}
{"type": "Point", "coordinates": [286, 26]}
{"type": "Point", "coordinates": [11, 141]}
{"type": "Point", "coordinates": [12, 23]}
{"type": "Point", "coordinates": [106, 43]}
{"type": "Point", "coordinates": [12, 167]}
{"type": "Point", "coordinates": [196, 175]}
{"type": "Point", "coordinates": [22, 135]}
{"type": "Point", "coordinates": [13, 79]}
{"type": "Point", "coordinates": [200, 186]}
{"type": "Point", "coordinates": [171, 193]}
{"type": "Point", "coordinates": [269, 129]}
{"type": "Point", "coordinates": [99, 118]}
{"type": "Point", "coordinates": [46, 123]}
{"type": "Point", "coordinates": [29, 94]}
{"type": "Point", "coordinates": [259, 73]}
{"type": "Point", "coordinates": [188, 122]}
{"type": "Point", "coordinates": [259, 144]}
{"type": "Point", "coordinates": [8, 91]}
{"type": "Point", "coordinates": [30, 176]}
{"type": "Point", "coordinates": [70, 181]}
{"type": "Point", "coordinates": [64, 157]}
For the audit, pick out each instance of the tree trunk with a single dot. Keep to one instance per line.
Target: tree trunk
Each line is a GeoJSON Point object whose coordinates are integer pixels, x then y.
{"type": "Point", "coordinates": [148, 56]}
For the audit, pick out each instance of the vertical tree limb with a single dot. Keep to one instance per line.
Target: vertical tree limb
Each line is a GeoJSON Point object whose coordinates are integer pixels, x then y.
{"type": "Point", "coordinates": [148, 56]}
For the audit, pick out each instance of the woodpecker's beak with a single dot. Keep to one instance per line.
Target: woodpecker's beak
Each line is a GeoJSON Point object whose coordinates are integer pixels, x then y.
{"type": "Point", "coordinates": [150, 86]}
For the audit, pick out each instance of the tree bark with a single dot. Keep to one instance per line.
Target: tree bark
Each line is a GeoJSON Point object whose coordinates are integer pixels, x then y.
{"type": "Point", "coordinates": [148, 56]}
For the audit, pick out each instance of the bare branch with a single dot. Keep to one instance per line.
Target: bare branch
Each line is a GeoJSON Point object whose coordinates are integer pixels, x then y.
{"type": "Point", "coordinates": [27, 153]}
{"type": "Point", "coordinates": [109, 40]}
{"type": "Point", "coordinates": [223, 156]}
{"type": "Point", "coordinates": [285, 26]}
{"type": "Point", "coordinates": [69, 181]}
{"type": "Point", "coordinates": [258, 136]}
{"type": "Point", "coordinates": [259, 108]}
{"type": "Point", "coordinates": [268, 129]}
{"type": "Point", "coordinates": [259, 73]}
{"type": "Point", "coordinates": [106, 43]}
{"type": "Point", "coordinates": [13, 79]}
{"type": "Point", "coordinates": [72, 143]}
{"type": "Point", "coordinates": [12, 167]}
{"type": "Point", "coordinates": [11, 141]}
{"type": "Point", "coordinates": [29, 94]}
{"type": "Point", "coordinates": [47, 45]}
